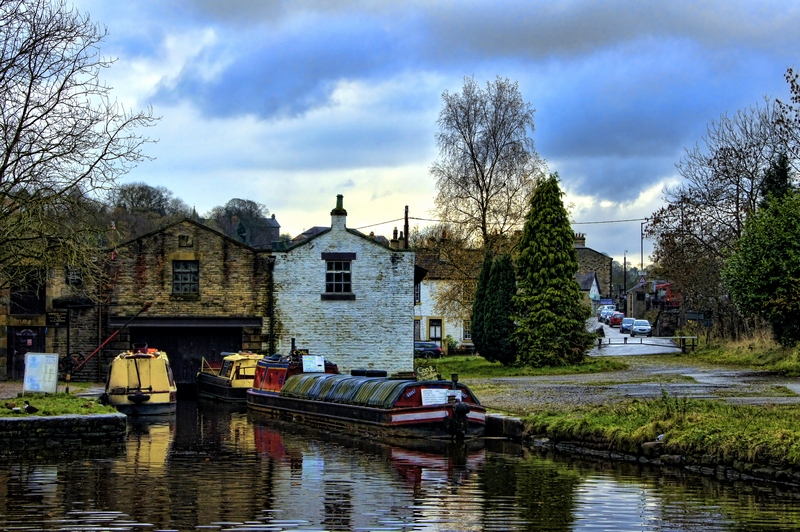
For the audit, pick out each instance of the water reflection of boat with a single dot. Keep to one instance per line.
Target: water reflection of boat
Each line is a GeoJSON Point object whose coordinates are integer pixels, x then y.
{"type": "Point", "coordinates": [140, 383]}
{"type": "Point", "coordinates": [366, 403]}
{"type": "Point", "coordinates": [149, 442]}
{"type": "Point", "coordinates": [428, 462]}
{"type": "Point", "coordinates": [230, 380]}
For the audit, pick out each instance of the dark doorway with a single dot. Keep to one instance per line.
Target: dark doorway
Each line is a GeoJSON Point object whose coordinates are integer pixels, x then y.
{"type": "Point", "coordinates": [186, 346]}
{"type": "Point", "coordinates": [22, 340]}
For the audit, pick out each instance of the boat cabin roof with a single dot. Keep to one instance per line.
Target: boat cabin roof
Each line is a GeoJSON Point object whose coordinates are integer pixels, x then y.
{"type": "Point", "coordinates": [356, 390]}
{"type": "Point", "coordinates": [244, 355]}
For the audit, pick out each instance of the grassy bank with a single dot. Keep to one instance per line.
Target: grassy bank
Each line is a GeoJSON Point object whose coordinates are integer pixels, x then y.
{"type": "Point", "coordinates": [757, 434]}
{"type": "Point", "coordinates": [758, 351]}
{"type": "Point", "coordinates": [476, 367]}
{"type": "Point", "coordinates": [53, 405]}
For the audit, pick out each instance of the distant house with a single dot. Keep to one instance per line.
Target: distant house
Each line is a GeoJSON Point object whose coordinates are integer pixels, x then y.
{"type": "Point", "coordinates": [589, 287]}
{"type": "Point", "coordinates": [430, 325]}
{"type": "Point", "coordinates": [591, 261]}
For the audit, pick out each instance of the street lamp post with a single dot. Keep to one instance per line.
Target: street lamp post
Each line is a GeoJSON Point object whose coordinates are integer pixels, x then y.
{"type": "Point", "coordinates": [625, 279]}
{"type": "Point", "coordinates": [641, 247]}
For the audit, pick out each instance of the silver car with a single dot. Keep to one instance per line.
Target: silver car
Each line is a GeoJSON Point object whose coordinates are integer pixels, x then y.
{"type": "Point", "coordinates": [642, 328]}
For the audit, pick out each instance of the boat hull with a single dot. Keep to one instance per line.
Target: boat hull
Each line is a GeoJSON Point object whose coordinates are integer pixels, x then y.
{"type": "Point", "coordinates": [413, 422]}
{"type": "Point", "coordinates": [145, 409]}
{"type": "Point", "coordinates": [214, 387]}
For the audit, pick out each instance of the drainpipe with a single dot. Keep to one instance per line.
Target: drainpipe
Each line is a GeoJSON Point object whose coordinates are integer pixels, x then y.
{"type": "Point", "coordinates": [271, 303]}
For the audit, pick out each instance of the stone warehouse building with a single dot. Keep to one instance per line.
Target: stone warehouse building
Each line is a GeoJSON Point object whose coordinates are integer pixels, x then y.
{"type": "Point", "coordinates": [196, 293]}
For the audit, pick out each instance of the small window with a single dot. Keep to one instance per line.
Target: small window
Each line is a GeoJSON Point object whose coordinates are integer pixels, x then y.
{"type": "Point", "coordinates": [417, 293]}
{"type": "Point", "coordinates": [467, 332]}
{"type": "Point", "coordinates": [417, 330]}
{"type": "Point", "coordinates": [337, 278]}
{"type": "Point", "coordinates": [185, 241]}
{"type": "Point", "coordinates": [185, 277]}
{"type": "Point", "coordinates": [73, 276]}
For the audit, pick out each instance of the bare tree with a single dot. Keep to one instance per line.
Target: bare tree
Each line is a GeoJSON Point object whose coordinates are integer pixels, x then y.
{"type": "Point", "coordinates": [138, 208]}
{"type": "Point", "coordinates": [244, 220]}
{"type": "Point", "coordinates": [487, 167]}
{"type": "Point", "coordinates": [64, 139]}
{"type": "Point", "coordinates": [704, 217]}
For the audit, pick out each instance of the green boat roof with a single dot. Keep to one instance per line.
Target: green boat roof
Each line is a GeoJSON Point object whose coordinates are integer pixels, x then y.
{"type": "Point", "coordinates": [361, 391]}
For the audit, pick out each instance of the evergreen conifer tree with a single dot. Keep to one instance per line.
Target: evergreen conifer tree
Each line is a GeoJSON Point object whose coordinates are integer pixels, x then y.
{"type": "Point", "coordinates": [777, 180]}
{"type": "Point", "coordinates": [479, 303]}
{"type": "Point", "coordinates": [498, 324]}
{"type": "Point", "coordinates": [550, 314]}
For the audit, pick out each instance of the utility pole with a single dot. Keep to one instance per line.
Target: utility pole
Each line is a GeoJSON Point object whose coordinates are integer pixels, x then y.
{"type": "Point", "coordinates": [625, 279]}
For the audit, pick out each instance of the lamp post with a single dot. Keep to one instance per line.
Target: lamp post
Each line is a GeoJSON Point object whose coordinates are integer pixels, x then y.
{"type": "Point", "coordinates": [641, 246]}
{"type": "Point", "coordinates": [625, 279]}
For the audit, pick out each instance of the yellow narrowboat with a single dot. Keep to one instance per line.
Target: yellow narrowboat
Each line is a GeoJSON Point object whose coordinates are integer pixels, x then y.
{"type": "Point", "coordinates": [230, 380]}
{"type": "Point", "coordinates": [140, 383]}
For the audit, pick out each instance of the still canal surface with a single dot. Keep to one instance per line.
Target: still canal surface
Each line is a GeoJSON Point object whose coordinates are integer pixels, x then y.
{"type": "Point", "coordinates": [215, 467]}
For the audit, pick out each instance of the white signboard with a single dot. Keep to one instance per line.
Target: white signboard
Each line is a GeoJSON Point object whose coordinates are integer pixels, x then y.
{"type": "Point", "coordinates": [41, 373]}
{"type": "Point", "coordinates": [313, 364]}
{"type": "Point", "coordinates": [434, 396]}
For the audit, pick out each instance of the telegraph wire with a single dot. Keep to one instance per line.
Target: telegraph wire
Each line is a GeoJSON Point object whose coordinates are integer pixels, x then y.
{"type": "Point", "coordinates": [445, 221]}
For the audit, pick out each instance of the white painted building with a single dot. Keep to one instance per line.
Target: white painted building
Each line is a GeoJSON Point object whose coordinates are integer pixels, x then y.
{"type": "Point", "coordinates": [346, 296]}
{"type": "Point", "coordinates": [429, 325]}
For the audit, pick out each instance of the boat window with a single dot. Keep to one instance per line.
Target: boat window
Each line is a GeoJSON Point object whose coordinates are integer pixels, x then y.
{"type": "Point", "coordinates": [226, 369]}
{"type": "Point", "coordinates": [246, 373]}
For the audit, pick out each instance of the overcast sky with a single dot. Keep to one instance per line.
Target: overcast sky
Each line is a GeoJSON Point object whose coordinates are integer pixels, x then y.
{"type": "Point", "coordinates": [291, 103]}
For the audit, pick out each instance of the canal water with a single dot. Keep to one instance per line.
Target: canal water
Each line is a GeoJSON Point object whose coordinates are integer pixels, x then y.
{"type": "Point", "coordinates": [215, 467]}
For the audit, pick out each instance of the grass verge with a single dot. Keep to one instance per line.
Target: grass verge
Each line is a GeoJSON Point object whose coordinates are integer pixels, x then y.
{"type": "Point", "coordinates": [767, 434]}
{"type": "Point", "coordinates": [476, 367]}
{"type": "Point", "coordinates": [56, 404]}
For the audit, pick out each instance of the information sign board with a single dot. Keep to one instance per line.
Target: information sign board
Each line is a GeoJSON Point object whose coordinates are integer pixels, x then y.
{"type": "Point", "coordinates": [313, 364]}
{"type": "Point", "coordinates": [41, 373]}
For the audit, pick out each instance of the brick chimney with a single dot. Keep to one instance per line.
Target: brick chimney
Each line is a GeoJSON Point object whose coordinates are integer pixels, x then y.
{"type": "Point", "coordinates": [338, 214]}
{"type": "Point", "coordinates": [580, 240]}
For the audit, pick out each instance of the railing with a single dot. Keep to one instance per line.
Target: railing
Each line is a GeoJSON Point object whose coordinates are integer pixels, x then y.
{"type": "Point", "coordinates": [685, 343]}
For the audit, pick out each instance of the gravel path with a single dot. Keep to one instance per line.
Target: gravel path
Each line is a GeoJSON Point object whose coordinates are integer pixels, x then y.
{"type": "Point", "coordinates": [647, 377]}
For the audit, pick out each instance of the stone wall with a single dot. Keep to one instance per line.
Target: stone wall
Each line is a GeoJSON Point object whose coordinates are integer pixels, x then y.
{"type": "Point", "coordinates": [142, 271]}
{"type": "Point", "coordinates": [37, 434]}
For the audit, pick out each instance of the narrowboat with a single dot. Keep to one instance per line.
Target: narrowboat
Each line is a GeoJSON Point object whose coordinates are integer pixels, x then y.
{"type": "Point", "coordinates": [230, 380]}
{"type": "Point", "coordinates": [140, 383]}
{"type": "Point", "coordinates": [366, 401]}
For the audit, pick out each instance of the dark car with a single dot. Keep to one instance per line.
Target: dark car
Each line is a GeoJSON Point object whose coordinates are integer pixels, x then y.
{"type": "Point", "coordinates": [427, 350]}
{"type": "Point", "coordinates": [625, 326]}
{"type": "Point", "coordinates": [615, 319]}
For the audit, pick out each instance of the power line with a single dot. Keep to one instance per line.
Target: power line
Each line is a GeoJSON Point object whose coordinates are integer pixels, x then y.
{"type": "Point", "coordinates": [446, 221]}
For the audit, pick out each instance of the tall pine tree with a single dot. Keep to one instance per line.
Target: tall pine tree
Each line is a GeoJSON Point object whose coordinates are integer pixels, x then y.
{"type": "Point", "coordinates": [498, 324]}
{"type": "Point", "coordinates": [551, 317]}
{"type": "Point", "coordinates": [479, 303]}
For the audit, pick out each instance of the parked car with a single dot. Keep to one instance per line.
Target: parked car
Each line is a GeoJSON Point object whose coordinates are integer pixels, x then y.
{"type": "Point", "coordinates": [625, 325]}
{"type": "Point", "coordinates": [642, 328]}
{"type": "Point", "coordinates": [427, 350]}
{"type": "Point", "coordinates": [601, 308]}
{"type": "Point", "coordinates": [604, 314]}
{"type": "Point", "coordinates": [615, 320]}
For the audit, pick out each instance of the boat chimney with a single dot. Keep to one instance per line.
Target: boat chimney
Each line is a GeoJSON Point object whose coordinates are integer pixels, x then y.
{"type": "Point", "coordinates": [454, 378]}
